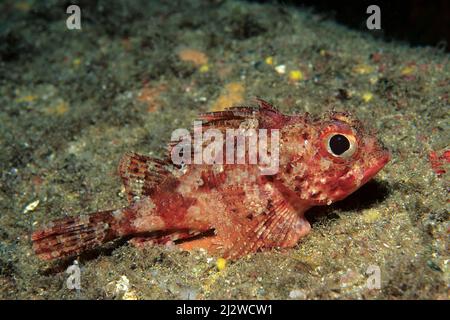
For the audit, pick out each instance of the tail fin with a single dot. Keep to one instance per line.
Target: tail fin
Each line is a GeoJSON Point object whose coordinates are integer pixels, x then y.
{"type": "Point", "coordinates": [72, 235]}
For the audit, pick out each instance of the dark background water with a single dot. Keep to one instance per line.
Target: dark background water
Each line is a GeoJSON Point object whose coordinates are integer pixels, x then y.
{"type": "Point", "coordinates": [418, 22]}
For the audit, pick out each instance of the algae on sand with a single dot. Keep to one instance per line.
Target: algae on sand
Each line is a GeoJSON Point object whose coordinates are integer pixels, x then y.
{"type": "Point", "coordinates": [72, 102]}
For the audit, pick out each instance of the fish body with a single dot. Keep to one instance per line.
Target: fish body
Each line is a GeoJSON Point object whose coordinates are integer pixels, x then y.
{"type": "Point", "coordinates": [230, 209]}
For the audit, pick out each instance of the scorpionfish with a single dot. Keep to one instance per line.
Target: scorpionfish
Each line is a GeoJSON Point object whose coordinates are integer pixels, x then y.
{"type": "Point", "coordinates": [230, 210]}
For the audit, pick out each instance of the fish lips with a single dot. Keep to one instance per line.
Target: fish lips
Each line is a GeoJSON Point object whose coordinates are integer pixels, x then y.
{"type": "Point", "coordinates": [381, 161]}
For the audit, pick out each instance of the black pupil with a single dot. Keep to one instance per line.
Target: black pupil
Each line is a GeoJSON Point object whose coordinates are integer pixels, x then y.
{"type": "Point", "coordinates": [339, 144]}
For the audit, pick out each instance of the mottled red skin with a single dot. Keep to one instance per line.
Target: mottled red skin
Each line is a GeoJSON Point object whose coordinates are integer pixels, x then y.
{"type": "Point", "coordinates": [437, 161]}
{"type": "Point", "coordinates": [246, 211]}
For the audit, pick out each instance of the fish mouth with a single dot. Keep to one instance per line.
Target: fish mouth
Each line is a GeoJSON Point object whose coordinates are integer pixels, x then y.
{"type": "Point", "coordinates": [377, 166]}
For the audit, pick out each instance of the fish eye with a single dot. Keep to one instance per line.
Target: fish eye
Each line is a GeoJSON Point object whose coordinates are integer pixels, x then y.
{"type": "Point", "coordinates": [340, 145]}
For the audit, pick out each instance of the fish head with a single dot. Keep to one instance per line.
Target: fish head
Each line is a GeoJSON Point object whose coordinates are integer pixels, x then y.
{"type": "Point", "coordinates": [333, 157]}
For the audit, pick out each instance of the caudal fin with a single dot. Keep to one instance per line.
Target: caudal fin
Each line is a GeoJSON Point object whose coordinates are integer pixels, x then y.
{"type": "Point", "coordinates": [72, 235]}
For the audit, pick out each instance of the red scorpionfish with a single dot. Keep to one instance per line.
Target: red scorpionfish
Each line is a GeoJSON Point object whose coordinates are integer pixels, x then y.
{"type": "Point", "coordinates": [230, 210]}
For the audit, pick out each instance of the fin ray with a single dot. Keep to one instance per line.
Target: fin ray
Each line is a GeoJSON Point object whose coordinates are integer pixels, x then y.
{"type": "Point", "coordinates": [141, 175]}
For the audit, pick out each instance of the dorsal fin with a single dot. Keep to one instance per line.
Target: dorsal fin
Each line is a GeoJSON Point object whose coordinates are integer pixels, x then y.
{"type": "Point", "coordinates": [266, 115]}
{"type": "Point", "coordinates": [263, 116]}
{"type": "Point", "coordinates": [141, 175]}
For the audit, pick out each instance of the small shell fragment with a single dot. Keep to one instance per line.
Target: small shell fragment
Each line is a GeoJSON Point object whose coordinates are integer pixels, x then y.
{"type": "Point", "coordinates": [31, 206]}
{"type": "Point", "coordinates": [281, 69]}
